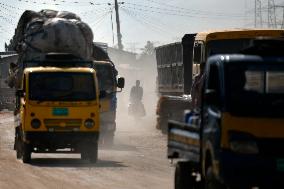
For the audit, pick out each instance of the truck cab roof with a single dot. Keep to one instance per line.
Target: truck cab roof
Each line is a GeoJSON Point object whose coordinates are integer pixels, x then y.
{"type": "Point", "coordinates": [57, 69]}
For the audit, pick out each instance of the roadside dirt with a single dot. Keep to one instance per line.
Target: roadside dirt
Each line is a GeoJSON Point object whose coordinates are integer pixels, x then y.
{"type": "Point", "coordinates": [136, 161]}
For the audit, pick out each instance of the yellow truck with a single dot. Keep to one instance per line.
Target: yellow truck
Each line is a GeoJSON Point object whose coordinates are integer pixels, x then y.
{"type": "Point", "coordinates": [57, 109]}
{"type": "Point", "coordinates": [236, 140]}
{"type": "Point", "coordinates": [178, 64]}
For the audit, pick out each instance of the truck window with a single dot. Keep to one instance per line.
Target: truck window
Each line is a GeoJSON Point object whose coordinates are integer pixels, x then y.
{"type": "Point", "coordinates": [106, 77]}
{"type": "Point", "coordinates": [254, 88]}
{"type": "Point", "coordinates": [213, 79]}
{"type": "Point", "coordinates": [197, 53]}
{"type": "Point", "coordinates": [227, 46]}
{"type": "Point", "coordinates": [62, 86]}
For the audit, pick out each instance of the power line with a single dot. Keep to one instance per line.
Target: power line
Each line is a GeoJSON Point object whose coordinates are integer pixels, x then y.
{"type": "Point", "coordinates": [144, 23]}
{"type": "Point", "coordinates": [195, 12]}
{"type": "Point", "coordinates": [172, 13]}
{"type": "Point", "coordinates": [158, 23]}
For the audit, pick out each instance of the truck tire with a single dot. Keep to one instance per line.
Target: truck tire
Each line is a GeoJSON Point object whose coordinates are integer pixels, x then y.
{"type": "Point", "coordinates": [18, 148]}
{"type": "Point", "coordinates": [26, 155]}
{"type": "Point", "coordinates": [17, 145]}
{"type": "Point", "coordinates": [183, 177]}
{"type": "Point", "coordinates": [93, 153]}
{"type": "Point", "coordinates": [211, 182]}
{"type": "Point", "coordinates": [84, 155]}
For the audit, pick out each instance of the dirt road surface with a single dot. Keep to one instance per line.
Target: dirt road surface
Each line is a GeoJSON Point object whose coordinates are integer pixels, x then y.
{"type": "Point", "coordinates": [136, 161]}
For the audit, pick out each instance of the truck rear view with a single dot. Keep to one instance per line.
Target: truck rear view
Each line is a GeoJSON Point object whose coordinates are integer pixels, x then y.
{"type": "Point", "coordinates": [174, 64]}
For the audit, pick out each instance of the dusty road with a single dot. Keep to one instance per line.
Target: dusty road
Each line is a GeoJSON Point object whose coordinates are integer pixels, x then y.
{"type": "Point", "coordinates": [137, 161]}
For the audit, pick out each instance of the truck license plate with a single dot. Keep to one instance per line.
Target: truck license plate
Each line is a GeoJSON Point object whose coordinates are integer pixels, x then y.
{"type": "Point", "coordinates": [280, 164]}
{"type": "Point", "coordinates": [60, 111]}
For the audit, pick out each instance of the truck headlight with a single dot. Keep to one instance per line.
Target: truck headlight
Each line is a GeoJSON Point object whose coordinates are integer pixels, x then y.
{"type": "Point", "coordinates": [243, 143]}
{"type": "Point", "coordinates": [35, 123]}
{"type": "Point", "coordinates": [89, 123]}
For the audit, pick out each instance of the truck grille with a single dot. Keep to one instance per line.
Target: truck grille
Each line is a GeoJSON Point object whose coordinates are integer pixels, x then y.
{"type": "Point", "coordinates": [62, 124]}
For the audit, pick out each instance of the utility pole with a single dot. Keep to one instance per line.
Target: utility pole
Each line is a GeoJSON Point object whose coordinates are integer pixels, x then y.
{"type": "Point", "coordinates": [119, 36]}
{"type": "Point", "coordinates": [257, 14]}
{"type": "Point", "coordinates": [282, 22]}
{"type": "Point", "coordinates": [111, 24]}
{"type": "Point", "coordinates": [271, 14]}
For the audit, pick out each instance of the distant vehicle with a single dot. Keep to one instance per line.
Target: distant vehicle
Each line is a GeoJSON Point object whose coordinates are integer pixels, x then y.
{"type": "Point", "coordinates": [178, 65]}
{"type": "Point", "coordinates": [236, 141]}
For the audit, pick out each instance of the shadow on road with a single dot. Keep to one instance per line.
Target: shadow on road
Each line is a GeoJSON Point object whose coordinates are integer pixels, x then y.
{"type": "Point", "coordinates": [73, 162]}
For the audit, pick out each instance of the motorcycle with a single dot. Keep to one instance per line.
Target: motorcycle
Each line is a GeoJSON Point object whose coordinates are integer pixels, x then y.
{"type": "Point", "coordinates": [136, 109]}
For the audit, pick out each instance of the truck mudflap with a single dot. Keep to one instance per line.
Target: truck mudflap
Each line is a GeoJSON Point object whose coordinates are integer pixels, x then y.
{"type": "Point", "coordinates": [183, 141]}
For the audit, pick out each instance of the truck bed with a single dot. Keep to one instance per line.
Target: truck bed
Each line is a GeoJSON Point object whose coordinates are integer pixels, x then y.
{"type": "Point", "coordinates": [183, 141]}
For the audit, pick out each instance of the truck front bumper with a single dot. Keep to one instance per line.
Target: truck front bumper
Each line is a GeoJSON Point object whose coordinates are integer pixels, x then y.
{"type": "Point", "coordinates": [244, 171]}
{"type": "Point", "coordinates": [60, 140]}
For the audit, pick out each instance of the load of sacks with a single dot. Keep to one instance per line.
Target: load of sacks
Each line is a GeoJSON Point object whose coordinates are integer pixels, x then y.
{"type": "Point", "coordinates": [52, 31]}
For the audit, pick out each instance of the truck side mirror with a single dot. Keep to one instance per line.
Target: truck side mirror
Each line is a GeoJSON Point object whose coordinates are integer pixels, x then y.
{"type": "Point", "coordinates": [120, 82]}
{"type": "Point", "coordinates": [197, 54]}
{"type": "Point", "coordinates": [20, 93]}
{"type": "Point", "coordinates": [103, 94]}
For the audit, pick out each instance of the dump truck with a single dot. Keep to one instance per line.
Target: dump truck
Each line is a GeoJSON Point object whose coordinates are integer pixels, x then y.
{"type": "Point", "coordinates": [235, 141]}
{"type": "Point", "coordinates": [174, 64]}
{"type": "Point", "coordinates": [57, 92]}
{"type": "Point", "coordinates": [48, 31]}
{"type": "Point", "coordinates": [178, 65]}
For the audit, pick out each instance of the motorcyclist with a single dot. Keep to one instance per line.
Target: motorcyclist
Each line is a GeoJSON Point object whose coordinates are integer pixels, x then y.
{"type": "Point", "coordinates": [136, 106]}
{"type": "Point", "coordinates": [136, 93]}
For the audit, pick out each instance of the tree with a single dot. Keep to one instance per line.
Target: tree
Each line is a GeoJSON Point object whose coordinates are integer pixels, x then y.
{"type": "Point", "coordinates": [148, 49]}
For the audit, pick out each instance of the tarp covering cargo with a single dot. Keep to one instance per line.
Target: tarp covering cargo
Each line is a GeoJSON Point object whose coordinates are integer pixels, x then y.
{"type": "Point", "coordinates": [52, 31]}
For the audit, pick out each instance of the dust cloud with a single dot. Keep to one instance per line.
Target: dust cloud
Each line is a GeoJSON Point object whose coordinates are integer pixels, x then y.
{"type": "Point", "coordinates": [143, 69]}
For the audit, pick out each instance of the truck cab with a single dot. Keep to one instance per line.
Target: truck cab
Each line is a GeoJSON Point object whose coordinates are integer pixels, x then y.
{"type": "Point", "coordinates": [237, 140]}
{"type": "Point", "coordinates": [108, 82]}
{"type": "Point", "coordinates": [57, 112]}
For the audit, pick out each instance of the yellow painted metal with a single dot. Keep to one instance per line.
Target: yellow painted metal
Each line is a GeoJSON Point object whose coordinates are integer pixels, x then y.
{"type": "Point", "coordinates": [78, 111]}
{"type": "Point", "coordinates": [238, 34]}
{"type": "Point", "coordinates": [258, 127]}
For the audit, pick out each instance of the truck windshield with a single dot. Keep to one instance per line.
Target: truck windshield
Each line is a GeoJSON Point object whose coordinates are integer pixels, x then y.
{"type": "Point", "coordinates": [227, 46]}
{"type": "Point", "coordinates": [61, 86]}
{"type": "Point", "coordinates": [105, 77]}
{"type": "Point", "coordinates": [255, 90]}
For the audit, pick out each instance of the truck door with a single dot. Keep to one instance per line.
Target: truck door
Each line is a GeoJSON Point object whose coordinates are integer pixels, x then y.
{"type": "Point", "coordinates": [211, 112]}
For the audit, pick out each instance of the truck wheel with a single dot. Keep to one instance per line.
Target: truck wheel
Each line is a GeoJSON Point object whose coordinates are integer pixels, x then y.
{"type": "Point", "coordinates": [84, 155]}
{"type": "Point", "coordinates": [18, 148]}
{"type": "Point", "coordinates": [211, 182]}
{"type": "Point", "coordinates": [93, 153]}
{"type": "Point", "coordinates": [17, 145]}
{"type": "Point", "coordinates": [183, 177]}
{"type": "Point", "coordinates": [26, 155]}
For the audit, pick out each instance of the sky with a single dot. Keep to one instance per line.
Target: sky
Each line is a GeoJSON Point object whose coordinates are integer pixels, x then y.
{"type": "Point", "coordinates": [159, 21]}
